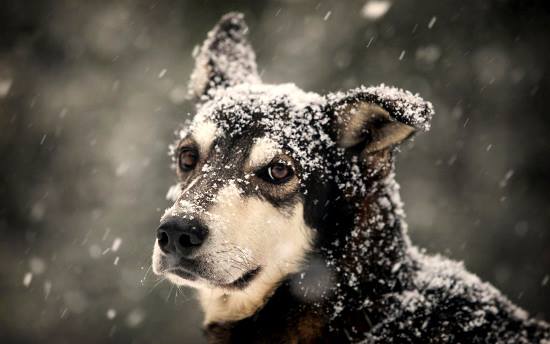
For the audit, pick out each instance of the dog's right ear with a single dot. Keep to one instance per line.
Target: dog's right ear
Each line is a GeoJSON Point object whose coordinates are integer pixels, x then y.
{"type": "Point", "coordinates": [225, 59]}
{"type": "Point", "coordinates": [376, 119]}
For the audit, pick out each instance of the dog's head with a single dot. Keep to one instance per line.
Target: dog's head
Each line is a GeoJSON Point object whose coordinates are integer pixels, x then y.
{"type": "Point", "coordinates": [261, 167]}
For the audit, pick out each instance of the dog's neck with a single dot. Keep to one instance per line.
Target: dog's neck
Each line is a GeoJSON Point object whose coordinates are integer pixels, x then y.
{"type": "Point", "coordinates": [378, 243]}
{"type": "Point", "coordinates": [364, 249]}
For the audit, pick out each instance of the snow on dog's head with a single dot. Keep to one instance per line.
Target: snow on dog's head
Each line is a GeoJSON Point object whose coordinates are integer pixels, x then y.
{"type": "Point", "coordinates": [259, 164]}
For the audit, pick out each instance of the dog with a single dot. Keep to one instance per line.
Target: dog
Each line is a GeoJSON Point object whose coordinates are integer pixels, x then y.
{"type": "Point", "coordinates": [287, 217]}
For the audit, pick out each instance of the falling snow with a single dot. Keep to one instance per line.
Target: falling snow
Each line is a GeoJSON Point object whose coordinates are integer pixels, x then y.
{"type": "Point", "coordinates": [111, 314]}
{"type": "Point", "coordinates": [135, 317]}
{"type": "Point", "coordinates": [27, 279]}
{"type": "Point", "coordinates": [432, 22]}
{"type": "Point", "coordinates": [71, 270]}
{"type": "Point", "coordinates": [116, 244]}
{"type": "Point", "coordinates": [5, 86]}
{"type": "Point", "coordinates": [375, 9]}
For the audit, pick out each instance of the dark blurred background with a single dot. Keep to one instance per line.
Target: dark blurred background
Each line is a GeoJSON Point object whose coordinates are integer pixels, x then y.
{"type": "Point", "coordinates": [91, 93]}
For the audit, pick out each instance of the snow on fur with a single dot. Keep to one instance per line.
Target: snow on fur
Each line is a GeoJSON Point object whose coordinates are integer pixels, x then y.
{"type": "Point", "coordinates": [298, 121]}
{"type": "Point", "coordinates": [415, 297]}
{"type": "Point", "coordinates": [402, 105]}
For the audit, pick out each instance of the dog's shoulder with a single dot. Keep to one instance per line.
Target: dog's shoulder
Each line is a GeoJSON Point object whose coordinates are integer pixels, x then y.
{"type": "Point", "coordinates": [452, 305]}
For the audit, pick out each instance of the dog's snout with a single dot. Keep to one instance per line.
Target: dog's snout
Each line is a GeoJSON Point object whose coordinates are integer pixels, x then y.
{"type": "Point", "coordinates": [181, 237]}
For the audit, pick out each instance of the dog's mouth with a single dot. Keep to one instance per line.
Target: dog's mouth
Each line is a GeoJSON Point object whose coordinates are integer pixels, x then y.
{"type": "Point", "coordinates": [182, 273]}
{"type": "Point", "coordinates": [243, 281]}
{"type": "Point", "coordinates": [191, 270]}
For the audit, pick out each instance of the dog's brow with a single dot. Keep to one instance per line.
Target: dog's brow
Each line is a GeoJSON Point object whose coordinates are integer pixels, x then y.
{"type": "Point", "coordinates": [263, 151]}
{"type": "Point", "coordinates": [204, 134]}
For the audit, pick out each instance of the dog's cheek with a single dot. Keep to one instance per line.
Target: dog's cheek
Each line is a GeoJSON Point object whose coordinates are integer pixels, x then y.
{"type": "Point", "coordinates": [286, 238]}
{"type": "Point", "coordinates": [250, 232]}
{"type": "Point", "coordinates": [265, 235]}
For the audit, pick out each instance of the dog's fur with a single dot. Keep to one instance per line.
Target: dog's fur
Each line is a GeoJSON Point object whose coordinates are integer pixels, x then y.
{"type": "Point", "coordinates": [322, 256]}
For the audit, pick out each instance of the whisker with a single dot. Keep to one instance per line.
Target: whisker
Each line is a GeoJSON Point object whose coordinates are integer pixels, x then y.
{"type": "Point", "coordinates": [147, 271]}
{"type": "Point", "coordinates": [169, 293]}
{"type": "Point", "coordinates": [158, 282]}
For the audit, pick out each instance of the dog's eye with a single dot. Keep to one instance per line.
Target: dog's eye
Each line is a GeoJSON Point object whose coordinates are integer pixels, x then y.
{"type": "Point", "coordinates": [188, 159]}
{"type": "Point", "coordinates": [278, 173]}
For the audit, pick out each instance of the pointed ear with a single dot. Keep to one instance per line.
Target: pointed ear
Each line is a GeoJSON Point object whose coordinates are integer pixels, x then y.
{"type": "Point", "coordinates": [376, 118]}
{"type": "Point", "coordinates": [225, 58]}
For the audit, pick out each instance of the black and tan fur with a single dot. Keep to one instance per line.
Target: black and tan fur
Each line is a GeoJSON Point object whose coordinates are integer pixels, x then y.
{"type": "Point", "coordinates": [323, 255]}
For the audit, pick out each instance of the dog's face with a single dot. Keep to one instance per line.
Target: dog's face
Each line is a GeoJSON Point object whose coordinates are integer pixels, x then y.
{"type": "Point", "coordinates": [239, 208]}
{"type": "Point", "coordinates": [260, 164]}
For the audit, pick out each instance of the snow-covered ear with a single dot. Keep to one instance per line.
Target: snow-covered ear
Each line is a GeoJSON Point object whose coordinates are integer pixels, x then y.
{"type": "Point", "coordinates": [225, 58]}
{"type": "Point", "coordinates": [376, 118]}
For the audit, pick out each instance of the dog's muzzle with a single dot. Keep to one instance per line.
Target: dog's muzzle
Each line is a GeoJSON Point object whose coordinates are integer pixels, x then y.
{"type": "Point", "coordinates": [181, 238]}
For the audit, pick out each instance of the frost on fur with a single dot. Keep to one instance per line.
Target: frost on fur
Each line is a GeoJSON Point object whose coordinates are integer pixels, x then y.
{"type": "Point", "coordinates": [380, 288]}
{"type": "Point", "coordinates": [402, 105]}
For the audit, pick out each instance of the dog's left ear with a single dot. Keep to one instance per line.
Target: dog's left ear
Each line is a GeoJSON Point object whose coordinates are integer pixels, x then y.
{"type": "Point", "coordinates": [225, 59]}
{"type": "Point", "coordinates": [376, 118]}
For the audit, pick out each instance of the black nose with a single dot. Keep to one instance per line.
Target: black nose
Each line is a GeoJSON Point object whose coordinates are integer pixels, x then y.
{"type": "Point", "coordinates": [180, 236]}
